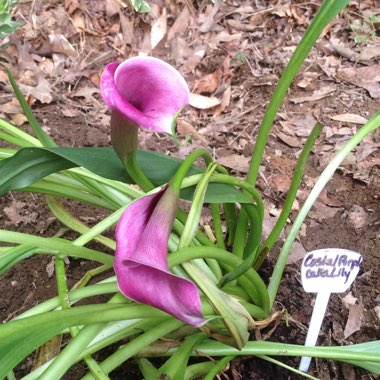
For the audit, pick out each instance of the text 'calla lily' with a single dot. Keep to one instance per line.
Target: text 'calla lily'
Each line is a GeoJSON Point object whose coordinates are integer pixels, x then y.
{"type": "Point", "coordinates": [141, 263]}
{"type": "Point", "coordinates": [146, 91]}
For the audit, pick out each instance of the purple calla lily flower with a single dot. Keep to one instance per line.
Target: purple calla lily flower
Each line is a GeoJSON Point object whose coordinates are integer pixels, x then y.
{"type": "Point", "coordinates": [146, 91]}
{"type": "Point", "coordinates": [141, 263]}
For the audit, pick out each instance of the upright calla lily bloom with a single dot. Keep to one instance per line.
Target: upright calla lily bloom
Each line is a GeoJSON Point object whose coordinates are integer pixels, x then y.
{"type": "Point", "coordinates": [141, 263]}
{"type": "Point", "coordinates": [145, 91]}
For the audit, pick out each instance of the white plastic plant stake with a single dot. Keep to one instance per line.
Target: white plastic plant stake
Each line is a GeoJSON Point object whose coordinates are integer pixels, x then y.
{"type": "Point", "coordinates": [326, 271]}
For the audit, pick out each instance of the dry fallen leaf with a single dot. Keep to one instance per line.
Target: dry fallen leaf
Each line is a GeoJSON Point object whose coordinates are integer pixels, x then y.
{"type": "Point", "coordinates": [225, 102]}
{"type": "Point", "coordinates": [203, 102]}
{"type": "Point", "coordinates": [298, 253]}
{"type": "Point", "coordinates": [180, 50]}
{"type": "Point", "coordinates": [304, 126]}
{"type": "Point", "coordinates": [11, 107]}
{"type": "Point", "coordinates": [354, 321]}
{"type": "Point", "coordinates": [18, 213]}
{"type": "Point", "coordinates": [223, 37]}
{"type": "Point", "coordinates": [280, 182]}
{"type": "Point", "coordinates": [358, 216]}
{"type": "Point", "coordinates": [180, 24]}
{"type": "Point", "coordinates": [308, 79]}
{"type": "Point", "coordinates": [233, 161]}
{"type": "Point", "coordinates": [321, 211]}
{"type": "Point", "coordinates": [209, 21]}
{"type": "Point", "coordinates": [317, 95]}
{"type": "Point", "coordinates": [194, 59]}
{"type": "Point", "coordinates": [127, 28]}
{"type": "Point", "coordinates": [369, 53]}
{"type": "Point", "coordinates": [59, 44]}
{"type": "Point", "coordinates": [350, 118]}
{"type": "Point", "coordinates": [294, 142]}
{"type": "Point", "coordinates": [268, 223]}
{"type": "Point", "coordinates": [70, 112]}
{"type": "Point", "coordinates": [50, 267]}
{"type": "Point", "coordinates": [241, 26]}
{"type": "Point", "coordinates": [113, 7]}
{"type": "Point", "coordinates": [185, 128]}
{"type": "Point", "coordinates": [349, 300]}
{"type": "Point", "coordinates": [40, 92]}
{"type": "Point", "coordinates": [19, 119]}
{"type": "Point", "coordinates": [366, 77]}
{"type": "Point", "coordinates": [209, 83]}
{"type": "Point", "coordinates": [159, 29]}
{"type": "Point", "coordinates": [377, 311]}
{"type": "Point", "coordinates": [355, 315]}
{"type": "Point", "coordinates": [86, 92]}
{"type": "Point", "coordinates": [342, 50]}
{"type": "Point", "coordinates": [365, 149]}
{"type": "Point", "coordinates": [329, 200]}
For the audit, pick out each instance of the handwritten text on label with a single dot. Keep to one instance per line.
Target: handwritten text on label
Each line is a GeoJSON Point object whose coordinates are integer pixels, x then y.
{"type": "Point", "coordinates": [341, 266]}
{"type": "Point", "coordinates": [331, 270]}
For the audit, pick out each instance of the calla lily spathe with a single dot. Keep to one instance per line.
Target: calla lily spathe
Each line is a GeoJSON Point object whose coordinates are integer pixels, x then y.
{"type": "Point", "coordinates": [141, 264]}
{"type": "Point", "coordinates": [146, 91]}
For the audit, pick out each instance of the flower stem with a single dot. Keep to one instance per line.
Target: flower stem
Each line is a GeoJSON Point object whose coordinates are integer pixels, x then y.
{"type": "Point", "coordinates": [192, 221]}
{"type": "Point", "coordinates": [230, 216]}
{"type": "Point", "coordinates": [124, 139]}
{"type": "Point", "coordinates": [233, 181]}
{"type": "Point", "coordinates": [297, 177]}
{"type": "Point", "coordinates": [133, 169]}
{"type": "Point", "coordinates": [181, 173]}
{"type": "Point", "coordinates": [215, 212]}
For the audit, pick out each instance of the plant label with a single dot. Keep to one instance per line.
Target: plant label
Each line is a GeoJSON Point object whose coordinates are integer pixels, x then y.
{"type": "Point", "coordinates": [332, 270]}
{"type": "Point", "coordinates": [326, 271]}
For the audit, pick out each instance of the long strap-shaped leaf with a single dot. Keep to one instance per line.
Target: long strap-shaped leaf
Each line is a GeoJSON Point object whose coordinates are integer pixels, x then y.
{"type": "Point", "coordinates": [29, 165]}
{"type": "Point", "coordinates": [328, 10]}
{"type": "Point", "coordinates": [326, 175]}
{"type": "Point", "coordinates": [19, 338]}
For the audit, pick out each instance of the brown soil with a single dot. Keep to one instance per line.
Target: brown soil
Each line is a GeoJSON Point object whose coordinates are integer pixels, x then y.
{"type": "Point", "coordinates": [353, 190]}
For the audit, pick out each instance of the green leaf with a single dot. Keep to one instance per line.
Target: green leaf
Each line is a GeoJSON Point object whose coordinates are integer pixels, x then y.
{"type": "Point", "coordinates": [365, 355]}
{"type": "Point", "coordinates": [14, 255]}
{"type": "Point", "coordinates": [235, 317]}
{"type": "Point", "coordinates": [239, 270]}
{"type": "Point", "coordinates": [140, 6]}
{"type": "Point", "coordinates": [29, 165]}
{"type": "Point", "coordinates": [328, 10]}
{"type": "Point", "coordinates": [175, 367]}
{"type": "Point", "coordinates": [21, 337]}
{"type": "Point", "coordinates": [53, 246]}
{"type": "Point", "coordinates": [370, 347]}
{"type": "Point", "coordinates": [148, 370]}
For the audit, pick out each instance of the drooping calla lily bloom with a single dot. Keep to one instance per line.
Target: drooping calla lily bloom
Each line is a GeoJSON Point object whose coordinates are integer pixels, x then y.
{"type": "Point", "coordinates": [141, 264]}
{"type": "Point", "coordinates": [145, 91]}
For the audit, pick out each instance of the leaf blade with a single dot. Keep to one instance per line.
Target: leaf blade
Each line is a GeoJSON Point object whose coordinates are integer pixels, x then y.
{"type": "Point", "coordinates": [29, 165]}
